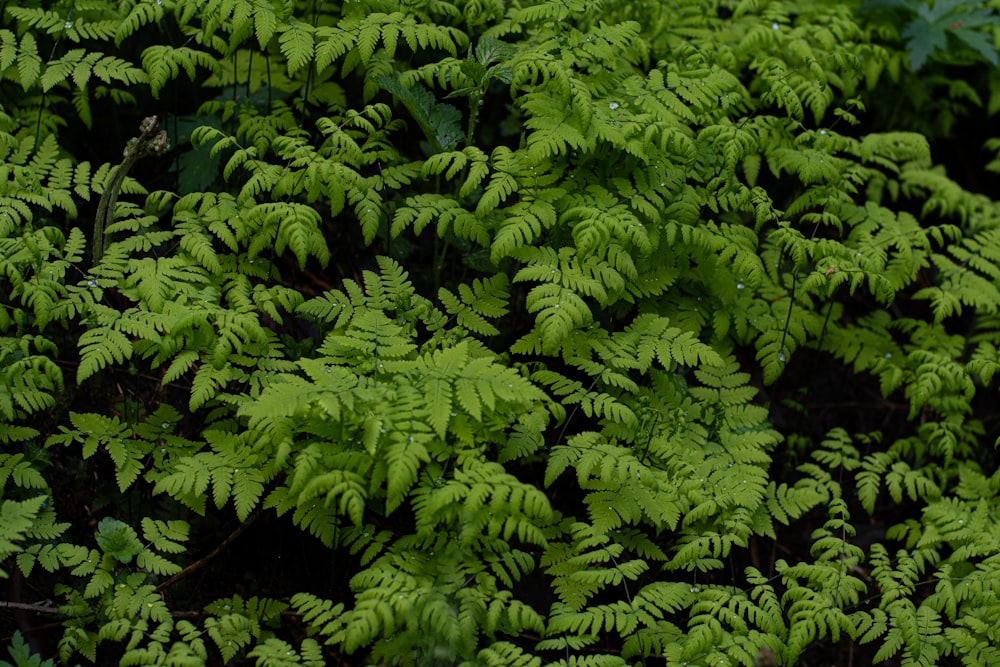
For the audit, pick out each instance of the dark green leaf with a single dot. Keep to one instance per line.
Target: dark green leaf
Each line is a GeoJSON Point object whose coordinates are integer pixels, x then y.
{"type": "Point", "coordinates": [118, 540]}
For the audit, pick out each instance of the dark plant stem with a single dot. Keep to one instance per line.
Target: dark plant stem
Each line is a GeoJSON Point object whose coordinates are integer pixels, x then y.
{"type": "Point", "coordinates": [137, 147]}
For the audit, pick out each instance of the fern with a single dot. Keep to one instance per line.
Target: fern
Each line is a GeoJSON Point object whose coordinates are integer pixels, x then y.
{"type": "Point", "coordinates": [474, 305]}
{"type": "Point", "coordinates": [163, 63]}
{"type": "Point", "coordinates": [22, 655]}
{"type": "Point", "coordinates": [534, 316]}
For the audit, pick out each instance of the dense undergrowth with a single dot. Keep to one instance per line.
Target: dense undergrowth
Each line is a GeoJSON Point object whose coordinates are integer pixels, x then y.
{"type": "Point", "coordinates": [498, 333]}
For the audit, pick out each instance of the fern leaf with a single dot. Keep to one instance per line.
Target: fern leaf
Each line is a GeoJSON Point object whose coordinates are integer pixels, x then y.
{"type": "Point", "coordinates": [58, 70]}
{"type": "Point", "coordinates": [451, 216]}
{"type": "Point", "coordinates": [29, 64]}
{"type": "Point", "coordinates": [404, 456]}
{"type": "Point", "coordinates": [141, 14]}
{"type": "Point", "coordinates": [473, 306]}
{"type": "Point", "coordinates": [99, 348]}
{"type": "Point", "coordinates": [502, 182]}
{"type": "Point", "coordinates": [297, 41]}
{"type": "Point", "coordinates": [163, 63]}
{"type": "Point", "coordinates": [332, 42]}
{"type": "Point", "coordinates": [560, 311]}
{"type": "Point", "coordinates": [265, 23]}
{"type": "Point", "coordinates": [111, 68]}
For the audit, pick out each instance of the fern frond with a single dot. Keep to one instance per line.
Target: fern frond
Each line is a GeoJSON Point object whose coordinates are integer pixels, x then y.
{"type": "Point", "coordinates": [163, 63]}
{"type": "Point", "coordinates": [451, 217]}
{"type": "Point", "coordinates": [475, 304]}
{"type": "Point", "coordinates": [297, 41]}
{"type": "Point", "coordinates": [99, 348]}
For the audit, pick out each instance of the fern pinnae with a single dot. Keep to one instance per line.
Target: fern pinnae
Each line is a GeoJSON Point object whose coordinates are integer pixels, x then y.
{"type": "Point", "coordinates": [642, 214]}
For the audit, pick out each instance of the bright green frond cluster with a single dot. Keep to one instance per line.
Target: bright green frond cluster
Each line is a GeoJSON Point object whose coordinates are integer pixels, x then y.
{"type": "Point", "coordinates": [548, 322]}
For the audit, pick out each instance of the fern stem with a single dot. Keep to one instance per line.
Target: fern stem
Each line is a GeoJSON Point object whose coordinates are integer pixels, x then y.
{"type": "Point", "coordinates": [475, 102]}
{"type": "Point", "coordinates": [24, 606]}
{"type": "Point", "coordinates": [204, 560]}
{"type": "Point", "coordinates": [788, 318]}
{"type": "Point", "coordinates": [440, 247]}
{"type": "Point", "coordinates": [144, 144]}
{"type": "Point", "coordinates": [108, 200]}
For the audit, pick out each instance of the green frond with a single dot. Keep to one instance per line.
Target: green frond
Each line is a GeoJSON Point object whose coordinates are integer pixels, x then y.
{"type": "Point", "coordinates": [297, 42]}
{"type": "Point", "coordinates": [545, 12]}
{"type": "Point", "coordinates": [29, 64]}
{"type": "Point", "coordinates": [141, 14]}
{"type": "Point", "coordinates": [635, 256]}
{"type": "Point", "coordinates": [99, 348]}
{"type": "Point", "coordinates": [451, 218]}
{"type": "Point", "coordinates": [475, 305]}
{"type": "Point", "coordinates": [968, 276]}
{"type": "Point", "coordinates": [18, 520]}
{"type": "Point", "coordinates": [503, 181]}
{"type": "Point", "coordinates": [164, 63]}
{"type": "Point", "coordinates": [505, 654]}
{"type": "Point", "coordinates": [439, 122]}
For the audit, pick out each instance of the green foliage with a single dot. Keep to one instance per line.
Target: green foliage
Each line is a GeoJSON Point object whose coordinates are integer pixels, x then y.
{"type": "Point", "coordinates": [929, 24]}
{"type": "Point", "coordinates": [534, 319]}
{"type": "Point", "coordinates": [22, 656]}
